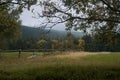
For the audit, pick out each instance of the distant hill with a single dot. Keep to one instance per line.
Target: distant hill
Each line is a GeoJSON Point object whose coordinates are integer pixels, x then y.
{"type": "Point", "coordinates": [31, 32]}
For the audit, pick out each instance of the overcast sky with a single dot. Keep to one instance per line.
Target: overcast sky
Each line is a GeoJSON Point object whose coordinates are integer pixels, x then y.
{"type": "Point", "coordinates": [28, 19]}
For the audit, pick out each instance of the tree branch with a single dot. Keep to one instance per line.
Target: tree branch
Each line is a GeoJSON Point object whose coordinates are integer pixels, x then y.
{"type": "Point", "coordinates": [69, 14]}
{"type": "Point", "coordinates": [110, 7]}
{"type": "Point", "coordinates": [96, 19]}
{"type": "Point", "coordinates": [9, 2]}
{"type": "Point", "coordinates": [89, 19]}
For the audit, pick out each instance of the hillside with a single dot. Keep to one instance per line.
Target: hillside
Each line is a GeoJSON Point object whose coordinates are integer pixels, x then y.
{"type": "Point", "coordinates": [31, 32]}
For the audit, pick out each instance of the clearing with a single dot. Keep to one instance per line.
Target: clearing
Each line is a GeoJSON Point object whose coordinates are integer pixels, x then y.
{"type": "Point", "coordinates": [61, 66]}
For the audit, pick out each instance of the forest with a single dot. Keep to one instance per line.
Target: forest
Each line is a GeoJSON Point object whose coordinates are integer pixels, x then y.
{"type": "Point", "coordinates": [104, 31]}
{"type": "Point", "coordinates": [33, 38]}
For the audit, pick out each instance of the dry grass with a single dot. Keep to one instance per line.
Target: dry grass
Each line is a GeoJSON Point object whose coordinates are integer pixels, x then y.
{"type": "Point", "coordinates": [73, 55]}
{"type": "Point", "coordinates": [24, 62]}
{"type": "Point", "coordinates": [63, 66]}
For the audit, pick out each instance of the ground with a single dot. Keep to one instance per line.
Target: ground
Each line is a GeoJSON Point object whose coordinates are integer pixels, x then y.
{"type": "Point", "coordinates": [60, 66]}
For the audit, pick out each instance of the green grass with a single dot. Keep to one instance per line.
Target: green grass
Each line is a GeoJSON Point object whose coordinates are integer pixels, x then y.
{"type": "Point", "coordinates": [69, 66]}
{"type": "Point", "coordinates": [15, 54]}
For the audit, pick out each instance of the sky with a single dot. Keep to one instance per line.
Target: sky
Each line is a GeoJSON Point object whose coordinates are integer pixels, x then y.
{"type": "Point", "coordinates": [28, 19]}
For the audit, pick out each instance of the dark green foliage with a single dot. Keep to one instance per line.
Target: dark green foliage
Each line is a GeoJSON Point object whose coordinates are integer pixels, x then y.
{"type": "Point", "coordinates": [102, 42]}
{"type": "Point", "coordinates": [9, 25]}
{"type": "Point", "coordinates": [9, 20]}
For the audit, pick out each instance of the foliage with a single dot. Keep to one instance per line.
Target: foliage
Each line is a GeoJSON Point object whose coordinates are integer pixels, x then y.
{"type": "Point", "coordinates": [9, 19]}
{"type": "Point", "coordinates": [9, 24]}
{"type": "Point", "coordinates": [81, 44]}
{"type": "Point", "coordinates": [82, 14]}
{"type": "Point", "coordinates": [20, 3]}
{"type": "Point", "coordinates": [105, 42]}
{"type": "Point", "coordinates": [101, 16]}
{"type": "Point", "coordinates": [55, 44]}
{"type": "Point", "coordinates": [89, 42]}
{"type": "Point", "coordinates": [42, 43]}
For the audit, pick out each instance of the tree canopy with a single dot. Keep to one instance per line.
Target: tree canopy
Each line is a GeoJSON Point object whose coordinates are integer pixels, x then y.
{"type": "Point", "coordinates": [9, 23]}
{"type": "Point", "coordinates": [77, 14]}
{"type": "Point", "coordinates": [82, 14]}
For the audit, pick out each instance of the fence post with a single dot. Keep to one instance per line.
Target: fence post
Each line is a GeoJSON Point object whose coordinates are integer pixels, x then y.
{"type": "Point", "coordinates": [33, 51]}
{"type": "Point", "coordinates": [19, 54]}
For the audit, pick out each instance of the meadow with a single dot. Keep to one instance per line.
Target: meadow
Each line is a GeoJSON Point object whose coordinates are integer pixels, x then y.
{"type": "Point", "coordinates": [60, 66]}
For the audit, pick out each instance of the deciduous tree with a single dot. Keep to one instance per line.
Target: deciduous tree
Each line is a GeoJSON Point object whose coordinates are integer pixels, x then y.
{"type": "Point", "coordinates": [42, 44]}
{"type": "Point", "coordinates": [82, 14]}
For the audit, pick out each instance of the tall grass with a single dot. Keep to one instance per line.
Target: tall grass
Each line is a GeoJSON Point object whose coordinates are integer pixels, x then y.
{"type": "Point", "coordinates": [67, 66]}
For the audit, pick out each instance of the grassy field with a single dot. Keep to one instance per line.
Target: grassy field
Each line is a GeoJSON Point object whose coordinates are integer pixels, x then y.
{"type": "Point", "coordinates": [65, 66]}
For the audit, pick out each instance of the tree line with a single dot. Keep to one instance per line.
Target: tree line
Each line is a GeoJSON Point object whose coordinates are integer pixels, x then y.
{"type": "Point", "coordinates": [47, 43]}
{"type": "Point", "coordinates": [89, 42]}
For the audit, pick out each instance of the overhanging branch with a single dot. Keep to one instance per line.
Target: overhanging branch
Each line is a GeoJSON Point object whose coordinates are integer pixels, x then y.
{"type": "Point", "coordinates": [96, 19]}
{"type": "Point", "coordinates": [9, 2]}
{"type": "Point", "coordinates": [109, 6]}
